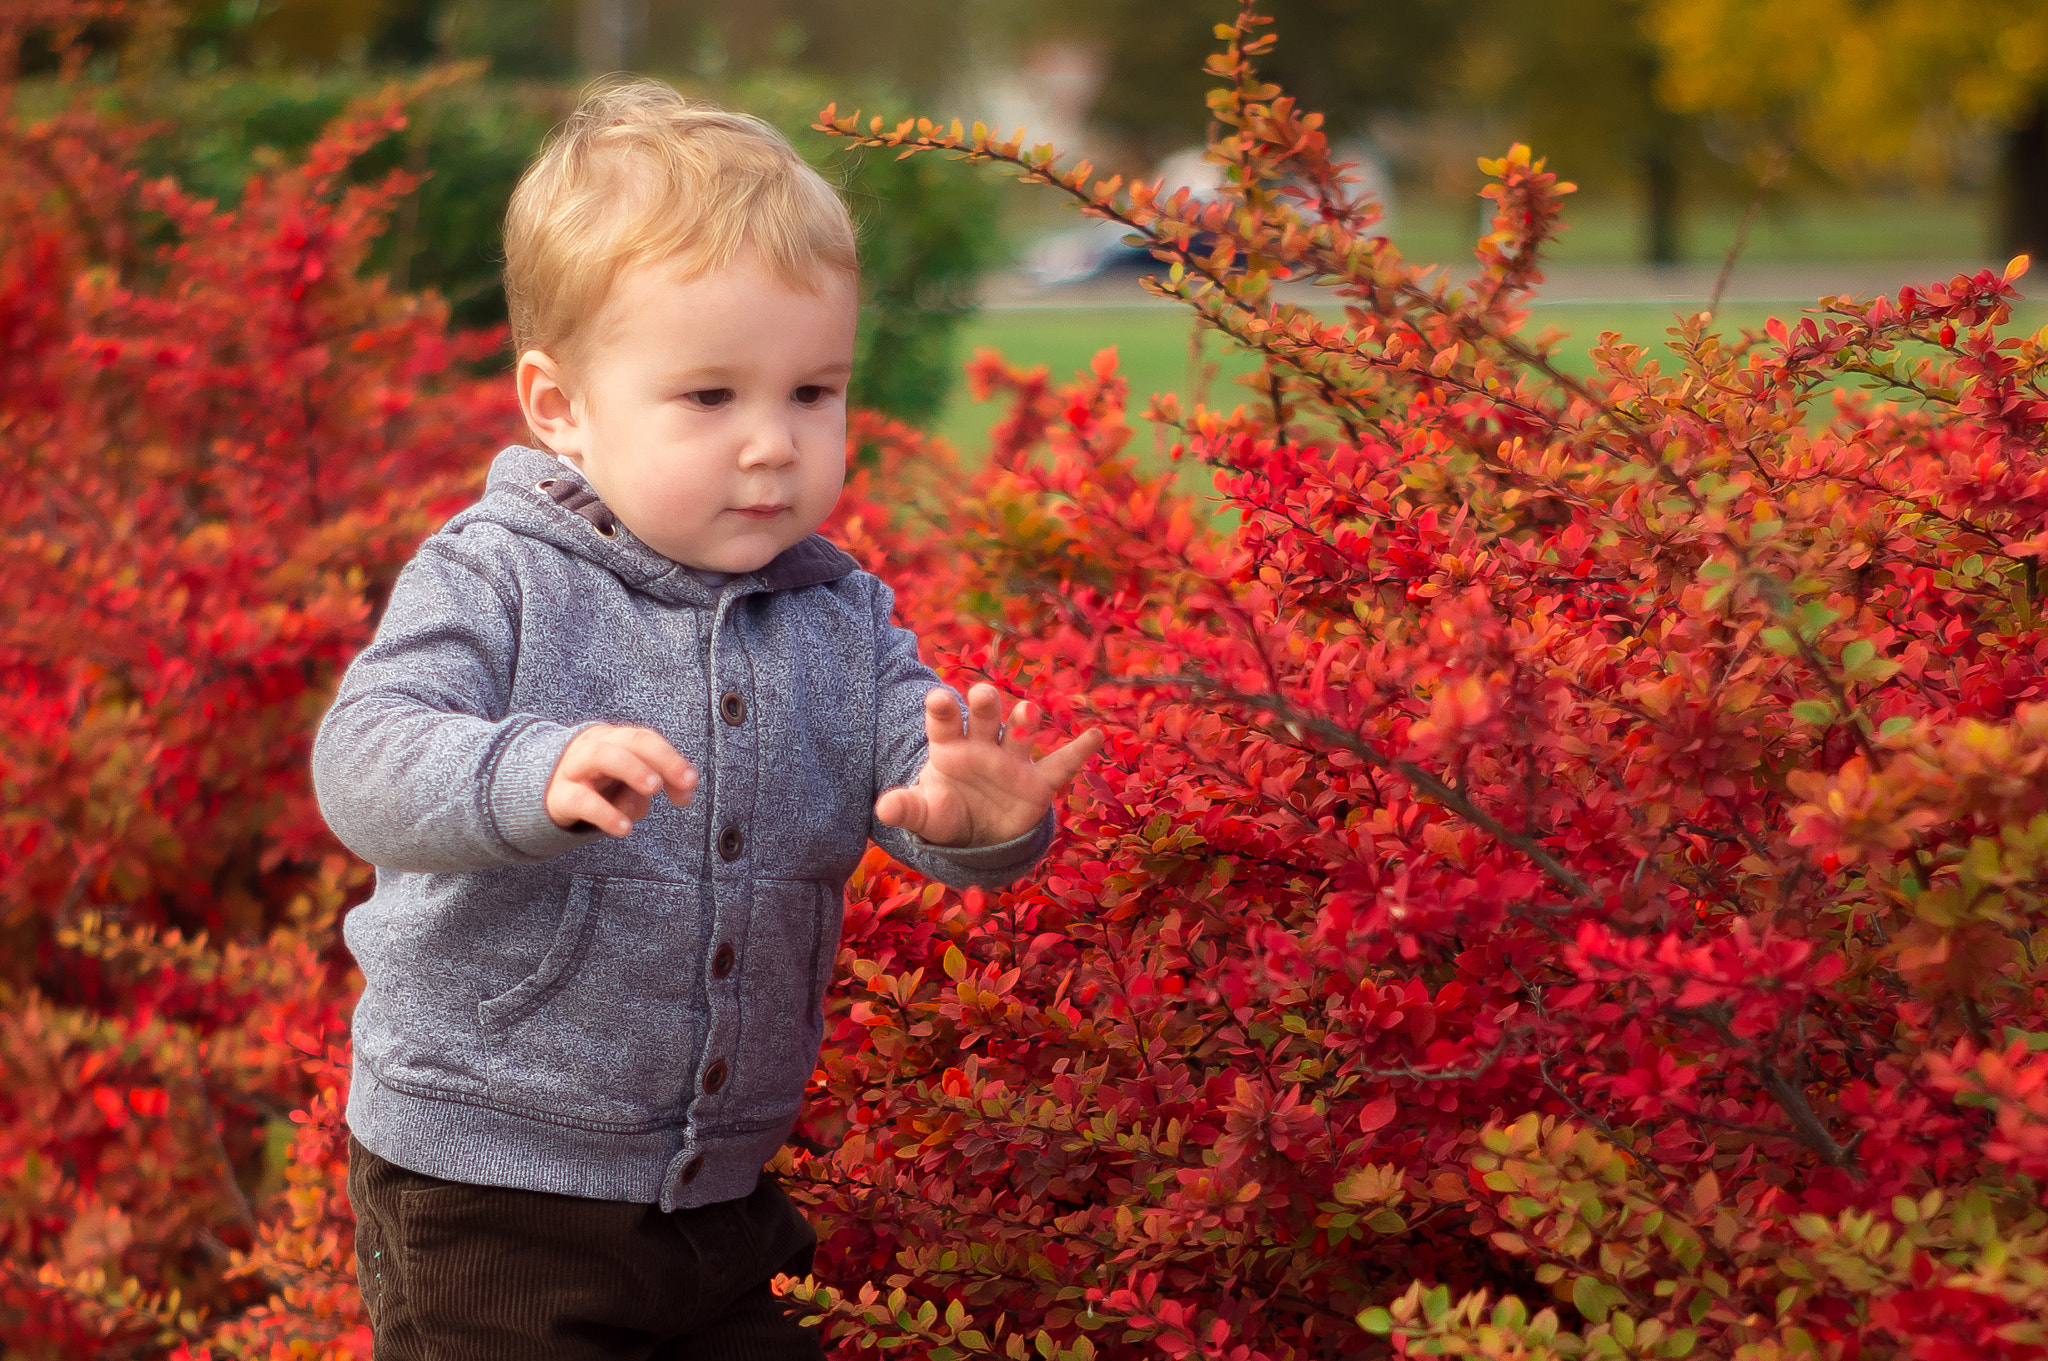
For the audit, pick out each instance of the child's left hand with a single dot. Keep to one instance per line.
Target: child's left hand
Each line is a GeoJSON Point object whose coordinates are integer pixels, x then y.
{"type": "Point", "coordinates": [980, 787]}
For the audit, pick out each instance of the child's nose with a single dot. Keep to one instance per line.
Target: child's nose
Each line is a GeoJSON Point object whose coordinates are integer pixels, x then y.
{"type": "Point", "coordinates": [771, 444]}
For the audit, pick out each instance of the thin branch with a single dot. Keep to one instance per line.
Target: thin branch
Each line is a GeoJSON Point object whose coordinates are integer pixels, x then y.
{"type": "Point", "coordinates": [1422, 781]}
{"type": "Point", "coordinates": [1808, 1127]}
{"type": "Point", "coordinates": [1771, 175]}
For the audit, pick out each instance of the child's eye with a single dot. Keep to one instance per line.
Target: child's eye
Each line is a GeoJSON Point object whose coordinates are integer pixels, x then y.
{"type": "Point", "coordinates": [810, 394]}
{"type": "Point", "coordinates": [710, 398]}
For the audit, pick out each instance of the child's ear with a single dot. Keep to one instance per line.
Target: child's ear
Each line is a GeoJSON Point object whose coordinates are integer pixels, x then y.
{"type": "Point", "coordinates": [548, 404]}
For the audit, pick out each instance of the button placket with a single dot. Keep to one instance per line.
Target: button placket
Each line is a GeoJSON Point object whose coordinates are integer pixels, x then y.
{"type": "Point", "coordinates": [734, 745]}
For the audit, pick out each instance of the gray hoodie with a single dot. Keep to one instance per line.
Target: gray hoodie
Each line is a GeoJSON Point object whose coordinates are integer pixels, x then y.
{"type": "Point", "coordinates": [630, 1019]}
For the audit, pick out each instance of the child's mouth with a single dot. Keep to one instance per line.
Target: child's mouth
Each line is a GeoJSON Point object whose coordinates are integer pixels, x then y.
{"type": "Point", "coordinates": [759, 512]}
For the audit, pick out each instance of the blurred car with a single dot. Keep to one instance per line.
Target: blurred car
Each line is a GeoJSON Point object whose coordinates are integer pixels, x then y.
{"type": "Point", "coordinates": [1097, 247]}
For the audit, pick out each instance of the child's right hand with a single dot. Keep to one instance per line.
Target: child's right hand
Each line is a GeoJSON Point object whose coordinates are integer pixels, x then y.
{"type": "Point", "coordinates": [608, 777]}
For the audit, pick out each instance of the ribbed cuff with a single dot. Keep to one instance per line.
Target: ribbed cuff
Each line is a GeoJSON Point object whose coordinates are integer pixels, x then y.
{"type": "Point", "coordinates": [1019, 852]}
{"type": "Point", "coordinates": [519, 791]}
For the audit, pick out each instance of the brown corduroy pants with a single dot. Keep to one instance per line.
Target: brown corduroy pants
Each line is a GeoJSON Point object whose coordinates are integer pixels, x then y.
{"type": "Point", "coordinates": [454, 1272]}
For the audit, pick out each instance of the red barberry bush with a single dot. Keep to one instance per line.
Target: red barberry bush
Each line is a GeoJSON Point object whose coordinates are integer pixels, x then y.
{"type": "Point", "coordinates": [1563, 879]}
{"type": "Point", "coordinates": [220, 441]}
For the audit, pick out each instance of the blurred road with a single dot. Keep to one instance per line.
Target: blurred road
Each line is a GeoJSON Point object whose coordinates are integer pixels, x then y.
{"type": "Point", "coordinates": [1565, 284]}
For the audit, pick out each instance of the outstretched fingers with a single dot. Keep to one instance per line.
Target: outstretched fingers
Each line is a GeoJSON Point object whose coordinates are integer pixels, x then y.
{"type": "Point", "coordinates": [985, 720]}
{"type": "Point", "coordinates": [984, 713]}
{"type": "Point", "coordinates": [1060, 765]}
{"type": "Point", "coordinates": [1022, 728]}
{"type": "Point", "coordinates": [979, 784]}
{"type": "Point", "coordinates": [942, 718]}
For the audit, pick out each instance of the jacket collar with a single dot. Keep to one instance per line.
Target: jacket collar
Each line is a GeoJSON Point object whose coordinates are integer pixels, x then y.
{"type": "Point", "coordinates": [514, 499]}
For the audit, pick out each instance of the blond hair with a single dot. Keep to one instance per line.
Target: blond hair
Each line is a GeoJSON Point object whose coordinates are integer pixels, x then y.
{"type": "Point", "coordinates": [638, 174]}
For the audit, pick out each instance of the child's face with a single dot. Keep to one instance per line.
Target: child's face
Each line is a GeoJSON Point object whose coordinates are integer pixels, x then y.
{"type": "Point", "coordinates": [710, 414]}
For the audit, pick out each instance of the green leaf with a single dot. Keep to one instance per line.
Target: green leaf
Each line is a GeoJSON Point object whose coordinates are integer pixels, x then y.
{"type": "Point", "coordinates": [1818, 711]}
{"type": "Point", "coordinates": [1895, 724]}
{"type": "Point", "coordinates": [1594, 1298]}
{"type": "Point", "coordinates": [1376, 1320]}
{"type": "Point", "coordinates": [1813, 616]}
{"type": "Point", "coordinates": [1858, 652]}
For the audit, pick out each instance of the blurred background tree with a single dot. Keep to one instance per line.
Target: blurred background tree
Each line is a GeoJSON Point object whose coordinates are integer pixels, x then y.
{"type": "Point", "coordinates": [1870, 86]}
{"type": "Point", "coordinates": [1580, 81]}
{"type": "Point", "coordinates": [1355, 63]}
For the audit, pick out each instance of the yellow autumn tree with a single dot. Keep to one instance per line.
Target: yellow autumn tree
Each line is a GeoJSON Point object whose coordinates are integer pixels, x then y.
{"type": "Point", "coordinates": [1863, 86]}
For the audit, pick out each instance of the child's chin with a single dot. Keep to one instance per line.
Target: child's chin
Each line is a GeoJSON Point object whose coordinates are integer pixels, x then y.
{"type": "Point", "coordinates": [735, 560]}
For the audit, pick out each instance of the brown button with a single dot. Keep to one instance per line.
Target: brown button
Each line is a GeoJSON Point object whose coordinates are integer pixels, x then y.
{"type": "Point", "coordinates": [692, 1168]}
{"type": "Point", "coordinates": [721, 963]}
{"type": "Point", "coordinates": [732, 708]}
{"type": "Point", "coordinates": [731, 843]}
{"type": "Point", "coordinates": [714, 1077]}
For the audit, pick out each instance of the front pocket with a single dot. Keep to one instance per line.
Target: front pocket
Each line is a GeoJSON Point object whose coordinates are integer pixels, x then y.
{"type": "Point", "coordinates": [791, 944]}
{"type": "Point", "coordinates": [606, 1032]}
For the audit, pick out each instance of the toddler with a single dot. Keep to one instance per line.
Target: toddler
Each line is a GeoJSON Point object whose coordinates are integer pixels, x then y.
{"type": "Point", "coordinates": [626, 727]}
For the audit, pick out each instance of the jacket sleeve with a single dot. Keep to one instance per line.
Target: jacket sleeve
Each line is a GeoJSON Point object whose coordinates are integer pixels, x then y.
{"type": "Point", "coordinates": [901, 683]}
{"type": "Point", "coordinates": [419, 765]}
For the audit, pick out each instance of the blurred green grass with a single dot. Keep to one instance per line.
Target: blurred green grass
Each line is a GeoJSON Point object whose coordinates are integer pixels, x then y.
{"type": "Point", "coordinates": [1152, 344]}
{"type": "Point", "coordinates": [1153, 350]}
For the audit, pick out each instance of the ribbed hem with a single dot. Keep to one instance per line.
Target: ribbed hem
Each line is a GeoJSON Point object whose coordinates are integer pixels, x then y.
{"type": "Point", "coordinates": [483, 1146]}
{"type": "Point", "coordinates": [518, 791]}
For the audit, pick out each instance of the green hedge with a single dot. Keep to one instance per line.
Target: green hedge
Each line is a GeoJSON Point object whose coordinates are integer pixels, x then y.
{"type": "Point", "coordinates": [928, 230]}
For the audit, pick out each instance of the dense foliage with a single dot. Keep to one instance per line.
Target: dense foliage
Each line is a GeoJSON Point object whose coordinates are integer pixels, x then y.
{"type": "Point", "coordinates": [1564, 878]}
{"type": "Point", "coordinates": [220, 438]}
